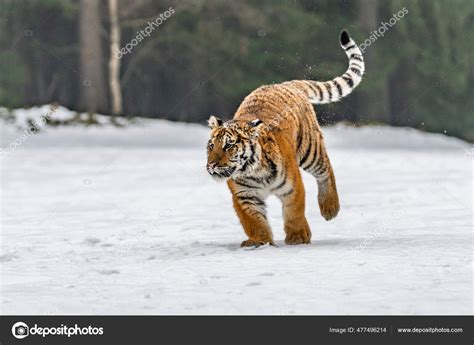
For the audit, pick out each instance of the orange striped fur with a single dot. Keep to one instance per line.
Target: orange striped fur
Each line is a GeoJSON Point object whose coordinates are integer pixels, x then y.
{"type": "Point", "coordinates": [273, 134]}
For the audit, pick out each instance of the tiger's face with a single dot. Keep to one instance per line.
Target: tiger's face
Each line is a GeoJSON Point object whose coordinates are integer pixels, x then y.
{"type": "Point", "coordinates": [231, 146]}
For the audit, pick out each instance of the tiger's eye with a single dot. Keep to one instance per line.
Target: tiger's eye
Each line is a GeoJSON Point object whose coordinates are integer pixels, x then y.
{"type": "Point", "coordinates": [227, 146]}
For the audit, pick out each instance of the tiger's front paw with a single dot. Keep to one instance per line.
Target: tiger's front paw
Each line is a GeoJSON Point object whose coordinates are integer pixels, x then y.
{"type": "Point", "coordinates": [256, 244]}
{"type": "Point", "coordinates": [298, 237]}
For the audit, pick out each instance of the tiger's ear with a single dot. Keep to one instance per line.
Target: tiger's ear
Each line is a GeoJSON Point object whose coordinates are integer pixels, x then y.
{"type": "Point", "coordinates": [255, 123]}
{"type": "Point", "coordinates": [254, 126]}
{"type": "Point", "coordinates": [214, 122]}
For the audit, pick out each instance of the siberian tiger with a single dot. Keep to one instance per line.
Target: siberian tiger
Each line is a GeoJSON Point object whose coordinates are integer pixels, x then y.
{"type": "Point", "coordinates": [273, 133]}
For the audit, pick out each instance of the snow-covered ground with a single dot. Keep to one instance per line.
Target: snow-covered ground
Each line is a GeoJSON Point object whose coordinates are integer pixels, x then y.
{"type": "Point", "coordinates": [125, 221]}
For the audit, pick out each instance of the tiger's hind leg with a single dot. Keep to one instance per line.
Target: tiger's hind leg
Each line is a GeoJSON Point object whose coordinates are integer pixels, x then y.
{"type": "Point", "coordinates": [328, 198]}
{"type": "Point", "coordinates": [320, 167]}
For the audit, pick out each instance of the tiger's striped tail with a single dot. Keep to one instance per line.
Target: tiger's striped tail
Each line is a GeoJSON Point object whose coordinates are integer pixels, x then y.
{"type": "Point", "coordinates": [339, 87]}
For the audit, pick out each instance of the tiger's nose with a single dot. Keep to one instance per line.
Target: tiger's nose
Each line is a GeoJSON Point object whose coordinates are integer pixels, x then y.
{"type": "Point", "coordinates": [212, 165]}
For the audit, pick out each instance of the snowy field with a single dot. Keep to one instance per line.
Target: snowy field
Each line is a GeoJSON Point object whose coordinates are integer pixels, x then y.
{"type": "Point", "coordinates": [126, 221]}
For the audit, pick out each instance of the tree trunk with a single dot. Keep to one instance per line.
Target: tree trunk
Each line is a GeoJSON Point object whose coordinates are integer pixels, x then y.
{"type": "Point", "coordinates": [93, 90]}
{"type": "Point", "coordinates": [114, 62]}
{"type": "Point", "coordinates": [372, 105]}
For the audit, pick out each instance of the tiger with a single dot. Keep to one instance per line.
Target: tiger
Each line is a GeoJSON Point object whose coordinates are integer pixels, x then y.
{"type": "Point", "coordinates": [273, 133]}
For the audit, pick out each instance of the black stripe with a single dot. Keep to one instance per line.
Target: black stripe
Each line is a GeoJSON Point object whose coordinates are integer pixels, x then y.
{"type": "Point", "coordinates": [348, 80]}
{"type": "Point", "coordinates": [319, 168]}
{"type": "Point", "coordinates": [315, 155]}
{"type": "Point", "coordinates": [314, 89]}
{"type": "Point", "coordinates": [255, 179]}
{"type": "Point", "coordinates": [280, 185]}
{"type": "Point", "coordinates": [356, 71]}
{"type": "Point", "coordinates": [315, 165]}
{"type": "Point", "coordinates": [356, 57]}
{"type": "Point", "coordinates": [320, 177]}
{"type": "Point", "coordinates": [299, 138]}
{"type": "Point", "coordinates": [249, 199]}
{"type": "Point", "coordinates": [350, 47]}
{"type": "Point", "coordinates": [251, 204]}
{"type": "Point", "coordinates": [251, 159]}
{"type": "Point", "coordinates": [339, 88]}
{"type": "Point", "coordinates": [273, 169]}
{"type": "Point", "coordinates": [317, 152]}
{"type": "Point", "coordinates": [245, 185]}
{"type": "Point", "coordinates": [321, 95]}
{"type": "Point", "coordinates": [318, 155]}
{"type": "Point", "coordinates": [355, 64]}
{"type": "Point", "coordinates": [269, 140]}
{"type": "Point", "coordinates": [240, 193]}
{"type": "Point", "coordinates": [305, 157]}
{"type": "Point", "coordinates": [328, 86]}
{"type": "Point", "coordinates": [285, 194]}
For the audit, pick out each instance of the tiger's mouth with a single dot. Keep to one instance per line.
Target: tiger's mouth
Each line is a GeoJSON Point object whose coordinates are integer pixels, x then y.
{"type": "Point", "coordinates": [221, 172]}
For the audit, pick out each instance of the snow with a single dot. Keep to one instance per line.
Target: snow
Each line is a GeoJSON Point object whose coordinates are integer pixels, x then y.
{"type": "Point", "coordinates": [108, 220]}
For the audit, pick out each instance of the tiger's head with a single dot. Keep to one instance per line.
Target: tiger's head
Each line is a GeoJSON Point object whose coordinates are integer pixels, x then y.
{"type": "Point", "coordinates": [233, 146]}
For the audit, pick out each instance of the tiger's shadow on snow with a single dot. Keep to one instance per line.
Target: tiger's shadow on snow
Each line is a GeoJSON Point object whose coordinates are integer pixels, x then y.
{"type": "Point", "coordinates": [345, 246]}
{"type": "Point", "coordinates": [348, 244]}
{"type": "Point", "coordinates": [337, 243]}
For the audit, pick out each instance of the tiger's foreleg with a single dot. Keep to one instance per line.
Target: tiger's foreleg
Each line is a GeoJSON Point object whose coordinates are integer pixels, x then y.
{"type": "Point", "coordinates": [296, 226]}
{"type": "Point", "coordinates": [252, 215]}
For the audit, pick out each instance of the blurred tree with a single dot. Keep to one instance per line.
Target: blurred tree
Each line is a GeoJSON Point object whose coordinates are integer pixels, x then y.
{"type": "Point", "coordinates": [114, 59]}
{"type": "Point", "coordinates": [373, 100]}
{"type": "Point", "coordinates": [431, 86]}
{"type": "Point", "coordinates": [93, 90]}
{"type": "Point", "coordinates": [209, 54]}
